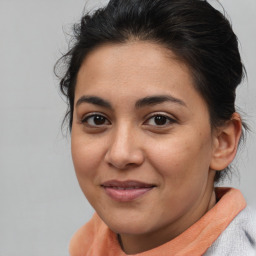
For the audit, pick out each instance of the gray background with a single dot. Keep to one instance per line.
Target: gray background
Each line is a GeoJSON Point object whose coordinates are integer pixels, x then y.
{"type": "Point", "coordinates": [41, 202]}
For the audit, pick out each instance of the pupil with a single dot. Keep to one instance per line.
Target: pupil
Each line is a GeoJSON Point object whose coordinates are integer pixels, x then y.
{"type": "Point", "coordinates": [98, 120]}
{"type": "Point", "coordinates": [160, 120]}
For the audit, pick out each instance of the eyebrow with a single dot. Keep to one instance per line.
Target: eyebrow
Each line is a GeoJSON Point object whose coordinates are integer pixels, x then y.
{"type": "Point", "coordinates": [95, 101]}
{"type": "Point", "coordinates": [147, 101]}
{"type": "Point", "coordinates": [158, 99]}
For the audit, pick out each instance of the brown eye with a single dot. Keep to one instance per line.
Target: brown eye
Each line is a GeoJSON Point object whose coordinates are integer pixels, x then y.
{"type": "Point", "coordinates": [99, 120]}
{"type": "Point", "coordinates": [95, 120]}
{"type": "Point", "coordinates": [160, 120]}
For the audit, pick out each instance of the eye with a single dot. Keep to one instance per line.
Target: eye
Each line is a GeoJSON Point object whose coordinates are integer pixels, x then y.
{"type": "Point", "coordinates": [160, 120]}
{"type": "Point", "coordinates": [95, 120]}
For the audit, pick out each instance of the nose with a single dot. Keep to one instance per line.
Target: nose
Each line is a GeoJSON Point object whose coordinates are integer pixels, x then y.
{"type": "Point", "coordinates": [124, 149]}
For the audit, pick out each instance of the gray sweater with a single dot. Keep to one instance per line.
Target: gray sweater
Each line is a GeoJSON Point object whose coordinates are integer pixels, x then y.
{"type": "Point", "coordinates": [239, 238]}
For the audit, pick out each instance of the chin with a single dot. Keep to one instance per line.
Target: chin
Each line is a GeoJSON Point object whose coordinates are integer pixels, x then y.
{"type": "Point", "coordinates": [129, 229]}
{"type": "Point", "coordinates": [128, 226]}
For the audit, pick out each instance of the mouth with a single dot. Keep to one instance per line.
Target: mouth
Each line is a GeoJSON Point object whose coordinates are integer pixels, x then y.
{"type": "Point", "coordinates": [125, 191]}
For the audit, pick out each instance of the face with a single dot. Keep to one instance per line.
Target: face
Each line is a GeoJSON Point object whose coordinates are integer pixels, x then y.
{"type": "Point", "coordinates": [141, 140]}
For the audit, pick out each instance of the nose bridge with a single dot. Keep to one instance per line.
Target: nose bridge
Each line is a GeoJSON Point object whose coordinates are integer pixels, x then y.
{"type": "Point", "coordinates": [122, 137]}
{"type": "Point", "coordinates": [124, 148]}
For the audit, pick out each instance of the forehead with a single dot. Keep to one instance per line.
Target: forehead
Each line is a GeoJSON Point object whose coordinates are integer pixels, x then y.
{"type": "Point", "coordinates": [140, 52]}
{"type": "Point", "coordinates": [134, 69]}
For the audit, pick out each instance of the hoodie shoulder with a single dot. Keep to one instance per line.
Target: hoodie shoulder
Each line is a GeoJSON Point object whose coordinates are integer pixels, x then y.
{"type": "Point", "coordinates": [239, 238]}
{"type": "Point", "coordinates": [83, 239]}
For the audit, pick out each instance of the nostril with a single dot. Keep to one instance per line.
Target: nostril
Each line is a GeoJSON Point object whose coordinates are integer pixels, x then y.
{"type": "Point", "coordinates": [122, 166]}
{"type": "Point", "coordinates": [124, 161]}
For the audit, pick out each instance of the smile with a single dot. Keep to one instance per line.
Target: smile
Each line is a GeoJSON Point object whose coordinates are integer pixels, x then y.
{"type": "Point", "coordinates": [125, 191]}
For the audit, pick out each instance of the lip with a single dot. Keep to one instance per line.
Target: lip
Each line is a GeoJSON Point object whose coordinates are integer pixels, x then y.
{"type": "Point", "coordinates": [125, 191]}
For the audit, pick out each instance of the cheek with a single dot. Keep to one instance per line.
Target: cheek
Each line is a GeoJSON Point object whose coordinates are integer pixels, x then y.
{"type": "Point", "coordinates": [86, 156]}
{"type": "Point", "coordinates": [181, 157]}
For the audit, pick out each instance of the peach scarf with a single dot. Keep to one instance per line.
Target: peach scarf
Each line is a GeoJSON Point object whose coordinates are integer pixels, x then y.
{"type": "Point", "coordinates": [96, 239]}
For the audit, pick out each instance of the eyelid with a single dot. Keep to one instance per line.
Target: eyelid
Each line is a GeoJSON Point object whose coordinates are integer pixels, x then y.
{"type": "Point", "coordinates": [171, 119]}
{"type": "Point", "coordinates": [84, 119]}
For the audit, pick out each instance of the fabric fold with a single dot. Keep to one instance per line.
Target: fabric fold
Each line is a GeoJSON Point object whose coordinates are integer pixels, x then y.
{"type": "Point", "coordinates": [96, 239]}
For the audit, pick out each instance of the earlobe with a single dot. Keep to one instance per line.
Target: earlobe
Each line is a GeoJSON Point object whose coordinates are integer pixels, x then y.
{"type": "Point", "coordinates": [226, 142]}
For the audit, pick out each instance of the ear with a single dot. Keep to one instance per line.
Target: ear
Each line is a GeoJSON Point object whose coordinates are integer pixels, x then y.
{"type": "Point", "coordinates": [225, 143]}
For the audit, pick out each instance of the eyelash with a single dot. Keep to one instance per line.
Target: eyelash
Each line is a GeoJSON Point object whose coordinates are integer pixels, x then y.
{"type": "Point", "coordinates": [168, 120]}
{"type": "Point", "coordinates": [94, 115]}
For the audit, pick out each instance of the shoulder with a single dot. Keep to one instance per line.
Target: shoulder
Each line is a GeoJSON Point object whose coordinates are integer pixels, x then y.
{"type": "Point", "coordinates": [93, 238]}
{"type": "Point", "coordinates": [83, 238]}
{"type": "Point", "coordinates": [239, 238]}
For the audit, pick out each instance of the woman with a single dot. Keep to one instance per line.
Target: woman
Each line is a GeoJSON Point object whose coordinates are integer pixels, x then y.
{"type": "Point", "coordinates": [151, 91]}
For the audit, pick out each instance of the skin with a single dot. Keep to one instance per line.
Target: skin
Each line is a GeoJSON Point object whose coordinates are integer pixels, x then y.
{"type": "Point", "coordinates": [177, 157]}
